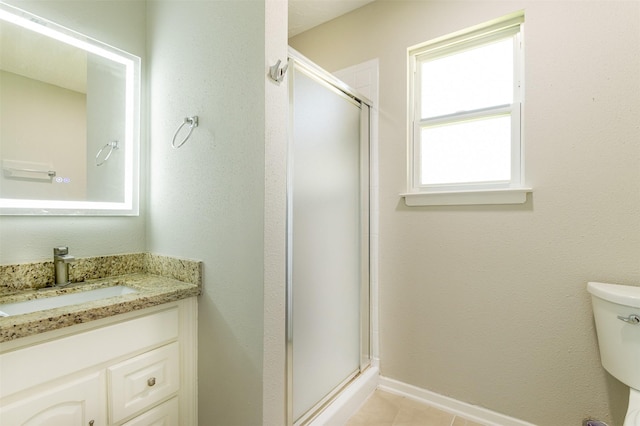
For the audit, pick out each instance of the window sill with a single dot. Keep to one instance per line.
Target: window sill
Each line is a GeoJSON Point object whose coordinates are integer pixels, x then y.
{"type": "Point", "coordinates": [463, 198]}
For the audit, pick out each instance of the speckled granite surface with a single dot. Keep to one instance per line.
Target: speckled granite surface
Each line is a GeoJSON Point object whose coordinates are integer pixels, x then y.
{"type": "Point", "coordinates": [32, 276]}
{"type": "Point", "coordinates": [158, 279]}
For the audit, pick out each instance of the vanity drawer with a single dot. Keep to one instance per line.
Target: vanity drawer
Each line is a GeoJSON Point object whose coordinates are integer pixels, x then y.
{"type": "Point", "coordinates": [165, 414]}
{"type": "Point", "coordinates": [140, 382]}
{"type": "Point", "coordinates": [26, 367]}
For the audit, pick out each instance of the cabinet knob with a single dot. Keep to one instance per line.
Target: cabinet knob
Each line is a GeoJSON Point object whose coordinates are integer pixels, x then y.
{"type": "Point", "coordinates": [151, 381]}
{"type": "Point", "coordinates": [91, 422]}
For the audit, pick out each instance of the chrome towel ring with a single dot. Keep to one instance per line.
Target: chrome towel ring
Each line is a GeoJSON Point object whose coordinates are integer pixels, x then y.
{"type": "Point", "coordinates": [111, 146]}
{"type": "Point", "coordinates": [193, 122]}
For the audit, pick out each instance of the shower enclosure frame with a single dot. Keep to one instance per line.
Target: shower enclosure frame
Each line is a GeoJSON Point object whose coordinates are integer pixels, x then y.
{"type": "Point", "coordinates": [298, 63]}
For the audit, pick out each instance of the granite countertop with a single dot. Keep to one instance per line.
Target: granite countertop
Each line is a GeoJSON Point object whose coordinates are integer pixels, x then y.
{"type": "Point", "coordinates": [153, 289]}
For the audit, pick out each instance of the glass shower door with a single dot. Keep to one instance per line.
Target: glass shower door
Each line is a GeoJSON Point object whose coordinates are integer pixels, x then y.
{"type": "Point", "coordinates": [328, 241]}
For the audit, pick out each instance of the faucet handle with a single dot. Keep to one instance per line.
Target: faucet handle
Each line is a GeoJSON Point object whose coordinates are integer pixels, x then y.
{"type": "Point", "coordinates": [60, 251]}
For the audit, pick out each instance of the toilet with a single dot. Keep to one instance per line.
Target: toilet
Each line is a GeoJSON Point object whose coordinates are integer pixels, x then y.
{"type": "Point", "coordinates": [616, 309]}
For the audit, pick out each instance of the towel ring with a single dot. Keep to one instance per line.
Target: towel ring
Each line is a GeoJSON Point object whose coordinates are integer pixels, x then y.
{"type": "Point", "coordinates": [111, 145]}
{"type": "Point", "coordinates": [193, 122]}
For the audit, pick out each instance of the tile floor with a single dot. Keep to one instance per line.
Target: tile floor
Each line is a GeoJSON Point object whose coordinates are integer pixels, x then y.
{"type": "Point", "coordinates": [386, 409]}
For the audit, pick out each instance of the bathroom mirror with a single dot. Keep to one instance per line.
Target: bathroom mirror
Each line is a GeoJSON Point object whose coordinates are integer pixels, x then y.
{"type": "Point", "coordinates": [69, 122]}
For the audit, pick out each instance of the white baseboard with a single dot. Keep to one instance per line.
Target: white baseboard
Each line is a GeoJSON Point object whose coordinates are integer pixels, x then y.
{"type": "Point", "coordinates": [356, 393]}
{"type": "Point", "coordinates": [350, 399]}
{"type": "Point", "coordinates": [459, 408]}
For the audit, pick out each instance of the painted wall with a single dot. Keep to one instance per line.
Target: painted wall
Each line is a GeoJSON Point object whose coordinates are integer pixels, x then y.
{"type": "Point", "coordinates": [106, 90]}
{"type": "Point", "coordinates": [214, 199]}
{"type": "Point", "coordinates": [46, 125]}
{"type": "Point", "coordinates": [487, 304]}
{"type": "Point", "coordinates": [220, 198]}
{"type": "Point", "coordinates": [120, 23]}
{"type": "Point", "coordinates": [275, 226]}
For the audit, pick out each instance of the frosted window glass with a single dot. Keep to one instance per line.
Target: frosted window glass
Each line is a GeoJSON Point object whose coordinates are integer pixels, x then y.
{"type": "Point", "coordinates": [325, 241]}
{"type": "Point", "coordinates": [473, 151]}
{"type": "Point", "coordinates": [469, 80]}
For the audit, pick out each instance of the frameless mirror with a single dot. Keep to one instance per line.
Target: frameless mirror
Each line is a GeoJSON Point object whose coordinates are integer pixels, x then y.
{"type": "Point", "coordinates": [69, 121]}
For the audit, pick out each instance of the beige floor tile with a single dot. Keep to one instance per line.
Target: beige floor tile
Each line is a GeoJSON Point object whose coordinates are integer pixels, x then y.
{"type": "Point", "coordinates": [459, 421]}
{"type": "Point", "coordinates": [411, 416]}
{"type": "Point", "coordinates": [380, 409]}
{"type": "Point", "coordinates": [387, 409]}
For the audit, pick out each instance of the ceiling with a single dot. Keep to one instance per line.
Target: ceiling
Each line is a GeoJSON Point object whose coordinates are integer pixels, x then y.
{"type": "Point", "coordinates": [29, 54]}
{"type": "Point", "coordinates": [303, 15]}
{"type": "Point", "coordinates": [306, 14]}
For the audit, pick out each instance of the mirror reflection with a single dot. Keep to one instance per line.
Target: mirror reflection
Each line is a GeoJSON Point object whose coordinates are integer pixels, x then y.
{"type": "Point", "coordinates": [68, 124]}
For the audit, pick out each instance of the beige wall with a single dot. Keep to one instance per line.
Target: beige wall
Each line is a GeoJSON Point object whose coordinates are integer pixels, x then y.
{"type": "Point", "coordinates": [43, 124]}
{"type": "Point", "coordinates": [487, 304]}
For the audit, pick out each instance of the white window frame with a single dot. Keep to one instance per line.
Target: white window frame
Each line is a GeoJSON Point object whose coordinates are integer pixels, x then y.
{"type": "Point", "coordinates": [512, 191]}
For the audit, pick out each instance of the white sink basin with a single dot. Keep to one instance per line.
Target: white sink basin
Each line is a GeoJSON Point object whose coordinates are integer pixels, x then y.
{"type": "Point", "coordinates": [28, 306]}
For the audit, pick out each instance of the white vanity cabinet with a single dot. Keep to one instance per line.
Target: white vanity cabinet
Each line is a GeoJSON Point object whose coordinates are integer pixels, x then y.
{"type": "Point", "coordinates": [76, 403]}
{"type": "Point", "coordinates": [132, 369]}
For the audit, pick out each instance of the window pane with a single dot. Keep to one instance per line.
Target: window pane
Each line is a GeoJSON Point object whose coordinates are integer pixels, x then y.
{"type": "Point", "coordinates": [473, 79]}
{"type": "Point", "coordinates": [472, 151]}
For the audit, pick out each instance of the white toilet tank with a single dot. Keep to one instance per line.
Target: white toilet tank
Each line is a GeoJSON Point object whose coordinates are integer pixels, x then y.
{"type": "Point", "coordinates": [616, 309]}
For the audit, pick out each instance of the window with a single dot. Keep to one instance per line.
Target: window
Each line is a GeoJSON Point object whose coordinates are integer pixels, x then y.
{"type": "Point", "coordinates": [465, 117]}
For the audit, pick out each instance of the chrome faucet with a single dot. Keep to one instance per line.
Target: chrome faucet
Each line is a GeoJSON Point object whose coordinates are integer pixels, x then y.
{"type": "Point", "coordinates": [61, 260]}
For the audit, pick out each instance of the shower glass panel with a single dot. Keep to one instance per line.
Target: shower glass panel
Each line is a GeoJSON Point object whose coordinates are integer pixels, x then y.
{"type": "Point", "coordinates": [328, 241]}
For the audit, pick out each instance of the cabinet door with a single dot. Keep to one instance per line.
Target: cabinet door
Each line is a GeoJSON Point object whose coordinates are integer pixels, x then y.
{"type": "Point", "coordinates": [140, 382]}
{"type": "Point", "coordinates": [165, 414]}
{"type": "Point", "coordinates": [78, 402]}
